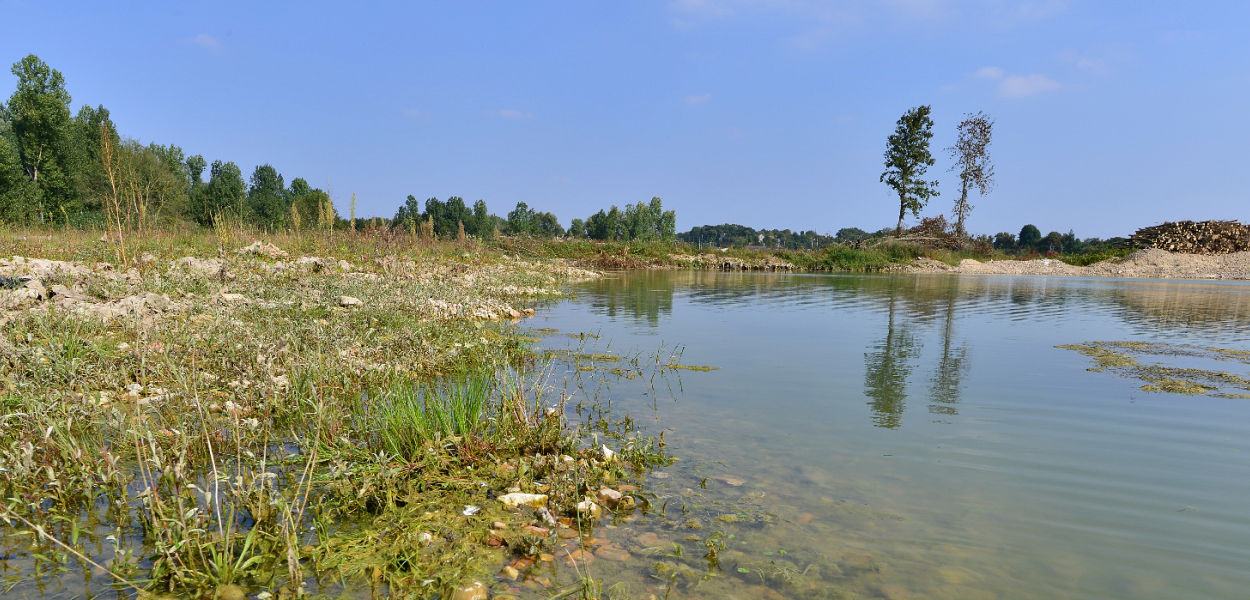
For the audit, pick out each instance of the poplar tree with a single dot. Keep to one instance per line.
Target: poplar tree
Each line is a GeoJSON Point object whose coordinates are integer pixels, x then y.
{"type": "Point", "coordinates": [906, 159]}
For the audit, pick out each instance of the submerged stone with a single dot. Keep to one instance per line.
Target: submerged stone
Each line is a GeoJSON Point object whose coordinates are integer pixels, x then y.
{"type": "Point", "coordinates": [474, 591]}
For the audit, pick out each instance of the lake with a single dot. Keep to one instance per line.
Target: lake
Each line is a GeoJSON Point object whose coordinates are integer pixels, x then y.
{"type": "Point", "coordinates": [922, 436]}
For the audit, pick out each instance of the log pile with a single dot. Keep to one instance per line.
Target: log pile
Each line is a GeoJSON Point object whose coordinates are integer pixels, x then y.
{"type": "Point", "coordinates": [1190, 237]}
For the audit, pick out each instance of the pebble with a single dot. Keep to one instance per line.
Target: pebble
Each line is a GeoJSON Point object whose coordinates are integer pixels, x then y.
{"type": "Point", "coordinates": [588, 507]}
{"type": "Point", "coordinates": [650, 540]}
{"type": "Point", "coordinates": [474, 591]}
{"type": "Point", "coordinates": [612, 553]}
{"type": "Point", "coordinates": [578, 557]}
{"type": "Point", "coordinates": [230, 592]}
{"type": "Point", "coordinates": [609, 497]}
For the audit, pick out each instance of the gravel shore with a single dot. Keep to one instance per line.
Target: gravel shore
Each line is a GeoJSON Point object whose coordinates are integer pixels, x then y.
{"type": "Point", "coordinates": [1143, 264]}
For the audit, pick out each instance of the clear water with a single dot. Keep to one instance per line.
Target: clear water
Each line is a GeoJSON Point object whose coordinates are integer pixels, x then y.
{"type": "Point", "coordinates": [923, 435]}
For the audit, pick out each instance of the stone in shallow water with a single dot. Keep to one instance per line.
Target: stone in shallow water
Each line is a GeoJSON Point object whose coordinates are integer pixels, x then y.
{"type": "Point", "coordinates": [609, 497]}
{"type": "Point", "coordinates": [612, 553]}
{"type": "Point", "coordinates": [588, 508]}
{"type": "Point", "coordinates": [230, 592]}
{"type": "Point", "coordinates": [650, 540]}
{"type": "Point", "coordinates": [578, 558]}
{"type": "Point", "coordinates": [474, 591]}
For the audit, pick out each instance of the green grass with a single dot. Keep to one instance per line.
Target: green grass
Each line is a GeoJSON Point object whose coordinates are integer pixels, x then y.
{"type": "Point", "coordinates": [408, 416]}
{"type": "Point", "coordinates": [845, 258]}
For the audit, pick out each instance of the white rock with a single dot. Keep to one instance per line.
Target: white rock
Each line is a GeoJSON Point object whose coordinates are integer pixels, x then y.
{"type": "Point", "coordinates": [609, 497]}
{"type": "Point", "coordinates": [346, 301]}
{"type": "Point", "coordinates": [474, 591]}
{"type": "Point", "coordinates": [516, 499]}
{"type": "Point", "coordinates": [588, 507]}
{"type": "Point", "coordinates": [36, 286]}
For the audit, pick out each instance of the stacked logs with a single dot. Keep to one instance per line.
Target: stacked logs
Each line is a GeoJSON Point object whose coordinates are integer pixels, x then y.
{"type": "Point", "coordinates": [1189, 237]}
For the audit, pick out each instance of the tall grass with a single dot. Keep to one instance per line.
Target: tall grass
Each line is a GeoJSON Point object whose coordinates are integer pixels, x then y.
{"type": "Point", "coordinates": [410, 415]}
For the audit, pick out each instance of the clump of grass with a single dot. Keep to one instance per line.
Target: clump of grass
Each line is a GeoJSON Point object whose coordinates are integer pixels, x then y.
{"type": "Point", "coordinates": [411, 415]}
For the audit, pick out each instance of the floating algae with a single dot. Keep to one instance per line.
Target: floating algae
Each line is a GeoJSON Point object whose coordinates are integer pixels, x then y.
{"type": "Point", "coordinates": [692, 367]}
{"type": "Point", "coordinates": [1103, 358]}
{"type": "Point", "coordinates": [1118, 358]}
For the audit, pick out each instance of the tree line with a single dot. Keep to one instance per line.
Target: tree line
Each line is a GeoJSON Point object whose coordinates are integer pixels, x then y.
{"type": "Point", "coordinates": [58, 167]}
{"type": "Point", "coordinates": [77, 169]}
{"type": "Point", "coordinates": [731, 235]}
{"type": "Point", "coordinates": [454, 218]}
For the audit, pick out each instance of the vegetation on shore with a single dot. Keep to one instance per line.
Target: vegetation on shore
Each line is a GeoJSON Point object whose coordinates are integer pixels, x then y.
{"type": "Point", "coordinates": [191, 414]}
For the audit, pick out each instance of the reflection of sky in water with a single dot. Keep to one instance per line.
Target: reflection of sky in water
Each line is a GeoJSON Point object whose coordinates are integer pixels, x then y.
{"type": "Point", "coordinates": [943, 399]}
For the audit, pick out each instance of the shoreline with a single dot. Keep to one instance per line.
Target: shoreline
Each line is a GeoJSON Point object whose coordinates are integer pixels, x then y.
{"type": "Point", "coordinates": [1150, 263]}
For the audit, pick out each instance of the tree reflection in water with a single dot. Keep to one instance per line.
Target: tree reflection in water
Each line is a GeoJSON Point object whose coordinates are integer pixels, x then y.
{"type": "Point", "coordinates": [945, 385]}
{"type": "Point", "coordinates": [887, 370]}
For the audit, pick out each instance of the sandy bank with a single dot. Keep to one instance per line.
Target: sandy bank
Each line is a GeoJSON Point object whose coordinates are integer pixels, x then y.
{"type": "Point", "coordinates": [1143, 264]}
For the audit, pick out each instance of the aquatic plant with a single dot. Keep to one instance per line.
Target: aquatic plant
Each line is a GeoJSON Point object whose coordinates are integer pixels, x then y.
{"type": "Point", "coordinates": [1118, 358]}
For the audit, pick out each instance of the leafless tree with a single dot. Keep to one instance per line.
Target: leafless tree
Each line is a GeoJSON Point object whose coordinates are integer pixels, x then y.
{"type": "Point", "coordinates": [972, 160]}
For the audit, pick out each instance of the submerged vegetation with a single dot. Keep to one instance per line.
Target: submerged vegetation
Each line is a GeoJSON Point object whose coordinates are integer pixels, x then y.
{"type": "Point", "coordinates": [1124, 359]}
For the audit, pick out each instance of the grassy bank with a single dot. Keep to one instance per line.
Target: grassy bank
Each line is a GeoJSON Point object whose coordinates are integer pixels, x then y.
{"type": "Point", "coordinates": [667, 254]}
{"type": "Point", "coordinates": [876, 258]}
{"type": "Point", "coordinates": [187, 414]}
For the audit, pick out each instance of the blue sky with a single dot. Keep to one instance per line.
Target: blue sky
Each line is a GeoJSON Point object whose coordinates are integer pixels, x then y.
{"type": "Point", "coordinates": [769, 113]}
